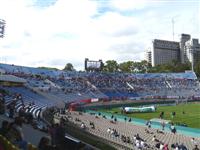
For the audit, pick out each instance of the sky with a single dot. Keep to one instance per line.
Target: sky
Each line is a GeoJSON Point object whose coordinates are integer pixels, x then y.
{"type": "Point", "coordinates": [55, 32]}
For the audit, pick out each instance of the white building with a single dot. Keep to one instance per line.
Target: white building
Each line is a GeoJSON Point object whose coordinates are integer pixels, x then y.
{"type": "Point", "coordinates": [192, 49]}
{"type": "Point", "coordinates": [148, 56]}
{"type": "Point", "coordinates": [183, 52]}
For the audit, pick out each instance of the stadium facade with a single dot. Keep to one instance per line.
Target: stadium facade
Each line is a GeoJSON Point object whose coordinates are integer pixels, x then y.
{"type": "Point", "coordinates": [186, 50]}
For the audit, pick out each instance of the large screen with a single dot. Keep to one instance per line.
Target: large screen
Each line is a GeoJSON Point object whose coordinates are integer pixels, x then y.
{"type": "Point", "coordinates": [91, 65]}
{"type": "Point", "coordinates": [94, 64]}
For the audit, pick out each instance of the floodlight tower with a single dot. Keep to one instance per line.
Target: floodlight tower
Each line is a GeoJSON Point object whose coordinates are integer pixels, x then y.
{"type": "Point", "coordinates": [2, 27]}
{"type": "Point", "coordinates": [173, 28]}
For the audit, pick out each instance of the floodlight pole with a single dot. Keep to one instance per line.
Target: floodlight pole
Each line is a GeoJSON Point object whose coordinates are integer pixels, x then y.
{"type": "Point", "coordinates": [173, 28]}
{"type": "Point", "coordinates": [2, 27]}
{"type": "Point", "coordinates": [192, 58]}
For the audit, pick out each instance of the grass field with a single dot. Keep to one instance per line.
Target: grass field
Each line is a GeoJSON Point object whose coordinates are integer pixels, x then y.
{"type": "Point", "coordinates": [191, 116]}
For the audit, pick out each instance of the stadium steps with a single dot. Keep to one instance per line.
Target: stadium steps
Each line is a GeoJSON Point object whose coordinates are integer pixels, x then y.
{"type": "Point", "coordinates": [54, 99]}
{"type": "Point", "coordinates": [27, 131]}
{"type": "Point", "coordinates": [103, 134]}
{"type": "Point", "coordinates": [130, 130]}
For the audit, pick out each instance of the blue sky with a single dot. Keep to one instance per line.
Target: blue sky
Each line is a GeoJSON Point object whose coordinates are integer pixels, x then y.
{"type": "Point", "coordinates": [55, 32]}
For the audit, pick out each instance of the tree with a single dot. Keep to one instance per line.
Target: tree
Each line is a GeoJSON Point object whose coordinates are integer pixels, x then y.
{"type": "Point", "coordinates": [173, 66]}
{"type": "Point", "coordinates": [144, 66]}
{"type": "Point", "coordinates": [110, 66]}
{"type": "Point", "coordinates": [69, 67]}
{"type": "Point", "coordinates": [197, 68]}
{"type": "Point", "coordinates": [126, 66]}
{"type": "Point", "coordinates": [141, 67]}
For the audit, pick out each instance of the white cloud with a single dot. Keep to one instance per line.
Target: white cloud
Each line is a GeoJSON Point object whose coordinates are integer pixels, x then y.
{"type": "Point", "coordinates": [125, 5]}
{"type": "Point", "coordinates": [71, 30]}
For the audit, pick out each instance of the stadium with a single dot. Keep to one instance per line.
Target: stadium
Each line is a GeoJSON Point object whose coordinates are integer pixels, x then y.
{"type": "Point", "coordinates": [121, 101]}
{"type": "Point", "coordinates": [94, 103]}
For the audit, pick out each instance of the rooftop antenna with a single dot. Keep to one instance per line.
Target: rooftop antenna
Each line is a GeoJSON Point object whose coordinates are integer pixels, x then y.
{"type": "Point", "coordinates": [173, 28]}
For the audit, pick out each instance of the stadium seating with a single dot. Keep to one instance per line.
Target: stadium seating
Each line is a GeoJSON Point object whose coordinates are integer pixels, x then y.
{"type": "Point", "coordinates": [129, 130]}
{"type": "Point", "coordinates": [77, 86]}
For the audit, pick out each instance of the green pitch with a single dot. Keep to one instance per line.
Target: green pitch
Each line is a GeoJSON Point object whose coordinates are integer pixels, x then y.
{"type": "Point", "coordinates": [185, 113]}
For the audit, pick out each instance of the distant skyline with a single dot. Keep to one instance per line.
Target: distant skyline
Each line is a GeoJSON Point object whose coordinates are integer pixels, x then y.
{"type": "Point", "coordinates": [52, 33]}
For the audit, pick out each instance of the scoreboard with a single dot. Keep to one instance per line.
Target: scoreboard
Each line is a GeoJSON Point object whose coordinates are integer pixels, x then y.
{"type": "Point", "coordinates": [92, 65]}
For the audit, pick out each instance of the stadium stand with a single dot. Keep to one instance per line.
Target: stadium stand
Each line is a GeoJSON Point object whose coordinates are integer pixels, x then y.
{"type": "Point", "coordinates": [76, 86]}
{"type": "Point", "coordinates": [128, 134]}
{"type": "Point", "coordinates": [30, 91]}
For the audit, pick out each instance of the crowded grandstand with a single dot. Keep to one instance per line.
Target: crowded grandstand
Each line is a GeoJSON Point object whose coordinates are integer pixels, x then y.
{"type": "Point", "coordinates": [61, 99]}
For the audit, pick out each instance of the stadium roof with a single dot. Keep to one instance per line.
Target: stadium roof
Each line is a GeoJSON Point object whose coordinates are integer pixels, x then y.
{"type": "Point", "coordinates": [11, 78]}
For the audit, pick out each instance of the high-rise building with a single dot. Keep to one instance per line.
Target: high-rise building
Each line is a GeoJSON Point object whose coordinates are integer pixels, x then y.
{"type": "Point", "coordinates": [187, 50]}
{"type": "Point", "coordinates": [164, 52]}
{"type": "Point", "coordinates": [149, 56]}
{"type": "Point", "coordinates": [183, 53]}
{"type": "Point", "coordinates": [192, 49]}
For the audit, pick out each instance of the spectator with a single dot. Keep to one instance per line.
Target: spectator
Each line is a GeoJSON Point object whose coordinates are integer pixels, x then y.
{"type": "Point", "coordinates": [165, 147]}
{"type": "Point", "coordinates": [161, 146]}
{"type": "Point", "coordinates": [52, 132]}
{"type": "Point", "coordinates": [109, 130]}
{"type": "Point", "coordinates": [161, 115]}
{"type": "Point", "coordinates": [59, 136]}
{"type": "Point", "coordinates": [11, 110]}
{"type": "Point", "coordinates": [2, 106]}
{"type": "Point", "coordinates": [148, 132]}
{"type": "Point", "coordinates": [173, 114]}
{"type": "Point", "coordinates": [196, 147]}
{"type": "Point", "coordinates": [159, 132]}
{"type": "Point", "coordinates": [173, 129]}
{"type": "Point", "coordinates": [148, 123]}
{"type": "Point", "coordinates": [15, 134]}
{"type": "Point", "coordinates": [44, 144]}
{"type": "Point", "coordinates": [83, 125]}
{"type": "Point", "coordinates": [154, 139]}
{"type": "Point", "coordinates": [163, 125]}
{"type": "Point", "coordinates": [182, 147]}
{"type": "Point", "coordinates": [112, 117]}
{"type": "Point", "coordinates": [194, 141]}
{"type": "Point", "coordinates": [125, 119]}
{"type": "Point", "coordinates": [4, 128]}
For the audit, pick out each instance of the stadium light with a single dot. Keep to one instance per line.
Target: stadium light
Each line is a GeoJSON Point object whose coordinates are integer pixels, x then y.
{"type": "Point", "coordinates": [192, 57]}
{"type": "Point", "coordinates": [2, 27]}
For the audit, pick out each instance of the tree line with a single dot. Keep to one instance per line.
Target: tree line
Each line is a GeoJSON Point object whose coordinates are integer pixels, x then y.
{"type": "Point", "coordinates": [145, 67]}
{"type": "Point", "coordinates": [142, 67]}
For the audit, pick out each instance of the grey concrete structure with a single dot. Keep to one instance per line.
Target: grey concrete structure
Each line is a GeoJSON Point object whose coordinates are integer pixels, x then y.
{"type": "Point", "coordinates": [163, 52]}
